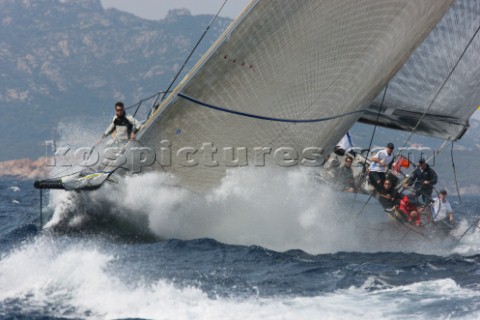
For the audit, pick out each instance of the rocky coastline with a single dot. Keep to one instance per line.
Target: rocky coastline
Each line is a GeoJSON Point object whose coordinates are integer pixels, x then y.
{"type": "Point", "coordinates": [25, 168]}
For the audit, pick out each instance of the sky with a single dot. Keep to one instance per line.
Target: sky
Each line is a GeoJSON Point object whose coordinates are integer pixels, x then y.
{"type": "Point", "coordinates": [158, 9]}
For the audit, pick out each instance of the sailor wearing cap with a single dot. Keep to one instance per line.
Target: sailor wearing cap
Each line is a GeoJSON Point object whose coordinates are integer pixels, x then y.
{"type": "Point", "coordinates": [379, 166]}
{"type": "Point", "coordinates": [423, 178]}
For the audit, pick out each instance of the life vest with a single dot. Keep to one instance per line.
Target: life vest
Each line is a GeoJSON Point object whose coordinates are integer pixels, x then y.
{"type": "Point", "coordinates": [400, 162]}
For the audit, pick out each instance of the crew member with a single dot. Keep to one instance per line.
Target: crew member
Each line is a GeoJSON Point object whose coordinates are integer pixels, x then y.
{"type": "Point", "coordinates": [423, 178]}
{"type": "Point", "coordinates": [441, 208]}
{"type": "Point", "coordinates": [123, 125]}
{"type": "Point", "coordinates": [379, 166]}
{"type": "Point", "coordinates": [408, 207]}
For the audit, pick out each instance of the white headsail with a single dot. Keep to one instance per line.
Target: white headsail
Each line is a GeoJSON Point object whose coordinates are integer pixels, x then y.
{"type": "Point", "coordinates": [280, 87]}
{"type": "Point", "coordinates": [279, 65]}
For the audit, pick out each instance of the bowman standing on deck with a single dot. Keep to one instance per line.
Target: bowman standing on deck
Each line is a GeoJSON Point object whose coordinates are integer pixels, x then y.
{"type": "Point", "coordinates": [123, 125]}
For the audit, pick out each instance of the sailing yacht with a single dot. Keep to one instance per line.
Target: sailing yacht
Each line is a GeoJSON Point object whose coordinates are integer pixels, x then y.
{"type": "Point", "coordinates": [288, 79]}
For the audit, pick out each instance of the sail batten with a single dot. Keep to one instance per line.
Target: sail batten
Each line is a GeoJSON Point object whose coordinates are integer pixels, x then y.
{"type": "Point", "coordinates": [441, 78]}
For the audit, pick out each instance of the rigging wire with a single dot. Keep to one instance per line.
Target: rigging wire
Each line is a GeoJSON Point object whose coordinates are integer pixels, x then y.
{"type": "Point", "coordinates": [189, 56]}
{"type": "Point", "coordinates": [138, 104]}
{"type": "Point", "coordinates": [143, 100]}
{"type": "Point", "coordinates": [460, 198]}
{"type": "Point", "coordinates": [378, 118]}
{"type": "Point", "coordinates": [370, 146]}
{"type": "Point", "coordinates": [441, 87]}
{"type": "Point", "coordinates": [431, 104]}
{"type": "Point", "coordinates": [444, 145]}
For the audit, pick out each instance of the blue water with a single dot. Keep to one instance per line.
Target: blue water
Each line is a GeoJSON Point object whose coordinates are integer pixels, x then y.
{"type": "Point", "coordinates": [96, 272]}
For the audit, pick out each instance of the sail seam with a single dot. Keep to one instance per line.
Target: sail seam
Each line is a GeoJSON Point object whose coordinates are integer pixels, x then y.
{"type": "Point", "coordinates": [259, 117]}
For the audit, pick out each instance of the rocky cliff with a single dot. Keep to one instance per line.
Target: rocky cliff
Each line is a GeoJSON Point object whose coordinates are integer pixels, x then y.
{"type": "Point", "coordinates": [65, 60]}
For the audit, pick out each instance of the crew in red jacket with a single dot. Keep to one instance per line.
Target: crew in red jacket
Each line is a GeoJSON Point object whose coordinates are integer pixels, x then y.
{"type": "Point", "coordinates": [410, 210]}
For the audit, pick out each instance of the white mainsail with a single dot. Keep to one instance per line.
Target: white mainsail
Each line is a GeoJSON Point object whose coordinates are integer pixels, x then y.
{"type": "Point", "coordinates": [285, 60]}
{"type": "Point", "coordinates": [438, 89]}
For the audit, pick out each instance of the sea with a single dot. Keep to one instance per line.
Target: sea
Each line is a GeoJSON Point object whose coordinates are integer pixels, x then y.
{"type": "Point", "coordinates": [244, 251]}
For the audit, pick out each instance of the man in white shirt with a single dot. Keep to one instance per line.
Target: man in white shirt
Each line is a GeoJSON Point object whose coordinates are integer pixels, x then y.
{"type": "Point", "coordinates": [379, 166]}
{"type": "Point", "coordinates": [441, 208]}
